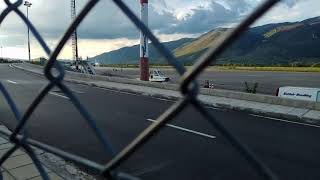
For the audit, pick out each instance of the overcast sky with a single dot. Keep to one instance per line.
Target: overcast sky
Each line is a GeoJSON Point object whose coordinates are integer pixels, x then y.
{"type": "Point", "coordinates": [106, 28]}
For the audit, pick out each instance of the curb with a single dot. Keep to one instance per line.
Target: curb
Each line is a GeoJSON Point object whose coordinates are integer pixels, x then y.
{"type": "Point", "coordinates": [65, 170]}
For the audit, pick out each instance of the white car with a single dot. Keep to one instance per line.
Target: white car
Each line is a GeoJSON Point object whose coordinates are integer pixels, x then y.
{"type": "Point", "coordinates": [158, 76]}
{"type": "Point", "coordinates": [96, 64]}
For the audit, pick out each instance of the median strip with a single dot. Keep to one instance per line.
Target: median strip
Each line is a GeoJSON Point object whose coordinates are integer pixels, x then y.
{"type": "Point", "coordinates": [187, 130]}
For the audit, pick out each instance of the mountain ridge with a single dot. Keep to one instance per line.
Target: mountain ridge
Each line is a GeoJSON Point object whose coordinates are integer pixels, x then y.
{"type": "Point", "coordinates": [130, 55]}
{"type": "Point", "coordinates": [270, 44]}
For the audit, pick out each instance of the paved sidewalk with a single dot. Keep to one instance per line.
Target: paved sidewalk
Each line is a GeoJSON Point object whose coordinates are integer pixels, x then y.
{"type": "Point", "coordinates": [19, 165]}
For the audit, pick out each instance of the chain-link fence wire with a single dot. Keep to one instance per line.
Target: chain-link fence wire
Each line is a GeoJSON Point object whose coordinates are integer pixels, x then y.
{"type": "Point", "coordinates": [189, 89]}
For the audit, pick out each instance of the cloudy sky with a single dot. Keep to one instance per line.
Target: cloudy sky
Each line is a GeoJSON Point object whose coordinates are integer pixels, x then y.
{"type": "Point", "coordinates": [106, 28]}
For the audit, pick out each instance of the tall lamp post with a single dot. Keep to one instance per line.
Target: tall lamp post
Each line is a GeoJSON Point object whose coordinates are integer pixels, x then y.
{"type": "Point", "coordinates": [28, 4]}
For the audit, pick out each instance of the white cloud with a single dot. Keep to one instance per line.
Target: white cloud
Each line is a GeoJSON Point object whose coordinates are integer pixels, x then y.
{"type": "Point", "coordinates": [87, 47]}
{"type": "Point", "coordinates": [291, 12]}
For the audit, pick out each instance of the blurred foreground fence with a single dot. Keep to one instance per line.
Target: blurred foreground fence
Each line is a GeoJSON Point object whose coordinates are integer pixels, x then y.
{"type": "Point", "coordinates": [189, 89]}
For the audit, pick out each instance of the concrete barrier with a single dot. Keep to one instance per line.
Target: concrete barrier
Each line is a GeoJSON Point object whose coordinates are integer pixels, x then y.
{"type": "Point", "coordinates": [261, 98]}
{"type": "Point", "coordinates": [205, 91]}
{"type": "Point", "coordinates": [212, 92]}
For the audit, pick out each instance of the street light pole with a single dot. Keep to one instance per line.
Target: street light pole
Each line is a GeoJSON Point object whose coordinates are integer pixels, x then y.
{"type": "Point", "coordinates": [28, 4]}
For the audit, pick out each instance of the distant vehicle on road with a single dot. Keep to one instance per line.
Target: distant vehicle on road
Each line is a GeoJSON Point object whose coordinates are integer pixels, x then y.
{"type": "Point", "coordinates": [96, 64]}
{"type": "Point", "coordinates": [300, 93]}
{"type": "Point", "coordinates": [158, 76]}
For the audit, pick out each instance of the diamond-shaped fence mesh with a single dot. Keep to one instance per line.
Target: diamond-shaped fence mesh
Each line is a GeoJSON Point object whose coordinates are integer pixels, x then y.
{"type": "Point", "coordinates": [189, 89]}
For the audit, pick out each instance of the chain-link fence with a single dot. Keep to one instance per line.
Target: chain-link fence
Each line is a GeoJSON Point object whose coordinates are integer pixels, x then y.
{"type": "Point", "coordinates": [189, 89]}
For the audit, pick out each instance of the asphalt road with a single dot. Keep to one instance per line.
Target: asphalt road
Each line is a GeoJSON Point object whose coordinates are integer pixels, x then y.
{"type": "Point", "coordinates": [234, 80]}
{"type": "Point", "coordinates": [197, 152]}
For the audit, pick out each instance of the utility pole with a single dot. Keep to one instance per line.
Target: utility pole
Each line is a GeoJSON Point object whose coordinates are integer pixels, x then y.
{"type": "Point", "coordinates": [74, 36]}
{"type": "Point", "coordinates": [28, 4]}
{"type": "Point", "coordinates": [144, 49]}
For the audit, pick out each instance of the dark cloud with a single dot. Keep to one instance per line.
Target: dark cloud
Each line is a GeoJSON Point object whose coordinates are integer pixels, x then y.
{"type": "Point", "coordinates": [291, 3]}
{"type": "Point", "coordinates": [106, 21]}
{"type": "Point", "coordinates": [204, 19]}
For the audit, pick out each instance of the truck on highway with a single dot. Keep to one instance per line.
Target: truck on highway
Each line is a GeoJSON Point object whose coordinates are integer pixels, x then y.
{"type": "Point", "coordinates": [299, 93]}
{"type": "Point", "coordinates": [158, 76]}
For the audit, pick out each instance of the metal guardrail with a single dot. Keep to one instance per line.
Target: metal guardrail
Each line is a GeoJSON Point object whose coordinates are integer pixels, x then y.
{"type": "Point", "coordinates": [189, 89]}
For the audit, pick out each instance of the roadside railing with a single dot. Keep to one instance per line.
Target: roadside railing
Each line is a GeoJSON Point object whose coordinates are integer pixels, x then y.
{"type": "Point", "coordinates": [189, 88]}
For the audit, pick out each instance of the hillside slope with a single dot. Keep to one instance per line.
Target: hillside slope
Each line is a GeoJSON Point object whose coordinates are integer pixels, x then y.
{"type": "Point", "coordinates": [130, 55]}
{"type": "Point", "coordinates": [205, 41]}
{"type": "Point", "coordinates": [269, 44]}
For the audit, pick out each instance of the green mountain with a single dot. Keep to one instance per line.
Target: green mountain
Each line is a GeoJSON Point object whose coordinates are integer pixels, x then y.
{"type": "Point", "coordinates": [282, 43]}
{"type": "Point", "coordinates": [130, 55]}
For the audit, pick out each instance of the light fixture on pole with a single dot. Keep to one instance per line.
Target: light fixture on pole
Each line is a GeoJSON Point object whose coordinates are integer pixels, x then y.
{"type": "Point", "coordinates": [28, 4]}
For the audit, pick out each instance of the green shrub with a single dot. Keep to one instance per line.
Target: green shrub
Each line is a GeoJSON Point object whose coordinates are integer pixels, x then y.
{"type": "Point", "coordinates": [252, 90]}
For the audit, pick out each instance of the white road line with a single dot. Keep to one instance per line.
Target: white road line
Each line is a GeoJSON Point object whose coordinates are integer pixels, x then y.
{"type": "Point", "coordinates": [187, 130]}
{"type": "Point", "coordinates": [59, 95]}
{"type": "Point", "coordinates": [214, 108]}
{"type": "Point", "coordinates": [283, 120]}
{"type": "Point", "coordinates": [117, 91]}
{"type": "Point", "coordinates": [76, 91]}
{"type": "Point", "coordinates": [79, 92]}
{"type": "Point", "coordinates": [12, 82]}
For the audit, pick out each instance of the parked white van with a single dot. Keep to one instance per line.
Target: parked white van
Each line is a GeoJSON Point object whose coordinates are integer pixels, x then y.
{"type": "Point", "coordinates": [300, 93]}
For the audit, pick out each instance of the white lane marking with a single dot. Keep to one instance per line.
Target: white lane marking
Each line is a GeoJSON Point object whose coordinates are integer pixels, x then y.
{"type": "Point", "coordinates": [187, 130]}
{"type": "Point", "coordinates": [72, 90]}
{"type": "Point", "coordinates": [12, 82]}
{"type": "Point", "coordinates": [79, 92]}
{"type": "Point", "coordinates": [59, 95]}
{"type": "Point", "coordinates": [111, 90]}
{"type": "Point", "coordinates": [214, 108]}
{"type": "Point", "coordinates": [283, 120]}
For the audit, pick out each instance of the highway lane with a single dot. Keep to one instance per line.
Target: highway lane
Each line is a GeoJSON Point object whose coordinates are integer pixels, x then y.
{"type": "Point", "coordinates": [234, 80]}
{"type": "Point", "coordinates": [189, 148]}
